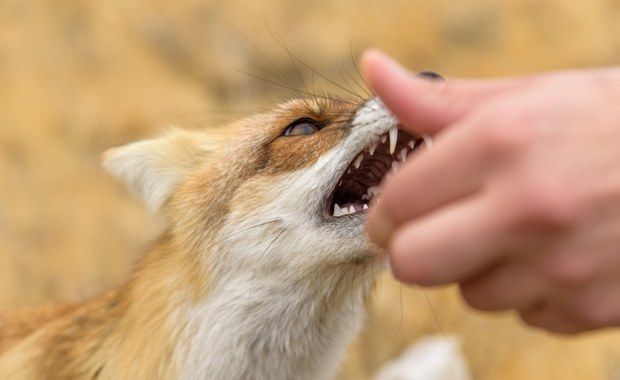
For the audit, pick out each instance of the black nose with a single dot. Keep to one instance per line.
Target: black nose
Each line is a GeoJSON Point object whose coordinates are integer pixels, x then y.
{"type": "Point", "coordinates": [430, 75]}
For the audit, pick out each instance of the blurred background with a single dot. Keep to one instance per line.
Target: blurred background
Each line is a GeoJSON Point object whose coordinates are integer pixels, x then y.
{"type": "Point", "coordinates": [79, 76]}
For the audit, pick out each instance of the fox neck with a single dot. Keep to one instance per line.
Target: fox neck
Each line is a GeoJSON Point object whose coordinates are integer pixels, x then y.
{"type": "Point", "coordinates": [243, 325]}
{"type": "Point", "coordinates": [259, 329]}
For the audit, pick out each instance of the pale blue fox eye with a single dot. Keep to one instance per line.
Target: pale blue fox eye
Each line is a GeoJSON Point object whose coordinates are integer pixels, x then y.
{"type": "Point", "coordinates": [301, 127]}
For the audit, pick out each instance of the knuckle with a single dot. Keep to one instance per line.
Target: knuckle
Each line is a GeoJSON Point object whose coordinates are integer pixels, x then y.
{"type": "Point", "coordinates": [546, 203]}
{"type": "Point", "coordinates": [504, 134]}
{"type": "Point", "coordinates": [566, 270]}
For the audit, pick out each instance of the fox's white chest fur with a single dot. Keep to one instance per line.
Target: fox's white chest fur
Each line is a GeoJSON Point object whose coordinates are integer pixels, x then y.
{"type": "Point", "coordinates": [278, 333]}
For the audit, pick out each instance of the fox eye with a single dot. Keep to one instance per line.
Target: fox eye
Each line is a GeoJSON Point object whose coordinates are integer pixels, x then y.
{"type": "Point", "coordinates": [302, 127]}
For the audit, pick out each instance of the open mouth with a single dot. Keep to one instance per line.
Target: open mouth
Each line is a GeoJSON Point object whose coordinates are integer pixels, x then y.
{"type": "Point", "coordinates": [360, 181]}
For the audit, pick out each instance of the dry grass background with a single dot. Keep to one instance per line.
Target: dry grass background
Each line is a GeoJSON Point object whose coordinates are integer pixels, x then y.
{"type": "Point", "coordinates": [78, 76]}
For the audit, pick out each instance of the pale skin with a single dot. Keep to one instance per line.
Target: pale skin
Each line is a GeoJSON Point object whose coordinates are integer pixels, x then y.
{"type": "Point", "coordinates": [519, 200]}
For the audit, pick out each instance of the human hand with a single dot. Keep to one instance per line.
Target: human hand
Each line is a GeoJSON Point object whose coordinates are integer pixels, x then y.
{"type": "Point", "coordinates": [518, 202]}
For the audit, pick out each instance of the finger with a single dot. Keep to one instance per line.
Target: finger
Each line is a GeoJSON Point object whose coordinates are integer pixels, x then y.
{"type": "Point", "coordinates": [510, 285]}
{"type": "Point", "coordinates": [454, 168]}
{"type": "Point", "coordinates": [548, 317]}
{"type": "Point", "coordinates": [449, 245]}
{"type": "Point", "coordinates": [427, 106]}
{"type": "Point", "coordinates": [590, 306]}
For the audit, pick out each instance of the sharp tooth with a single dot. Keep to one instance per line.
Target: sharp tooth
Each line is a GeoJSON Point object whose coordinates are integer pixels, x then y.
{"type": "Point", "coordinates": [412, 144]}
{"type": "Point", "coordinates": [351, 210]}
{"type": "Point", "coordinates": [372, 148]}
{"type": "Point", "coordinates": [344, 211]}
{"type": "Point", "coordinates": [393, 138]}
{"type": "Point", "coordinates": [428, 141]}
{"type": "Point", "coordinates": [337, 211]}
{"type": "Point", "coordinates": [403, 154]}
{"type": "Point", "coordinates": [365, 207]}
{"type": "Point", "coordinates": [340, 184]}
{"type": "Point", "coordinates": [372, 191]}
{"type": "Point", "coordinates": [358, 161]}
{"type": "Point", "coordinates": [395, 166]}
{"type": "Point", "coordinates": [383, 138]}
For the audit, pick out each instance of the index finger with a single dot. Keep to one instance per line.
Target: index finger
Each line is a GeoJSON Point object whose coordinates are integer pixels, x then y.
{"type": "Point", "coordinates": [427, 106]}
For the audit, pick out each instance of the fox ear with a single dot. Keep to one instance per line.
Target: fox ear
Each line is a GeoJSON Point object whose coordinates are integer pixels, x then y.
{"type": "Point", "coordinates": [154, 168]}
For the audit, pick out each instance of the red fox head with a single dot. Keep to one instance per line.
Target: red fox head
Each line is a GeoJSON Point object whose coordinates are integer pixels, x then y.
{"type": "Point", "coordinates": [294, 182]}
{"type": "Point", "coordinates": [267, 215]}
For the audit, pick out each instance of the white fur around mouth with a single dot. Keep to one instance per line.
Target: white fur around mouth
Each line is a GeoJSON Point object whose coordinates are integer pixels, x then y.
{"type": "Point", "coordinates": [360, 182]}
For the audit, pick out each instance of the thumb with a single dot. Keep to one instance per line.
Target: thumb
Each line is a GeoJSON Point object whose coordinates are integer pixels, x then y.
{"type": "Point", "coordinates": [427, 106]}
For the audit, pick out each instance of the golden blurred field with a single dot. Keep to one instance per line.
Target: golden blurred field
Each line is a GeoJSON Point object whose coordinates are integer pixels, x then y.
{"type": "Point", "coordinates": [78, 76]}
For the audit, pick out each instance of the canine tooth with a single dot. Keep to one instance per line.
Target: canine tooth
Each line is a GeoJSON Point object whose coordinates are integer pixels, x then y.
{"type": "Point", "coordinates": [428, 141]}
{"type": "Point", "coordinates": [365, 207]}
{"type": "Point", "coordinates": [372, 148]}
{"type": "Point", "coordinates": [393, 139]}
{"type": "Point", "coordinates": [351, 210]}
{"type": "Point", "coordinates": [383, 138]}
{"type": "Point", "coordinates": [403, 154]}
{"type": "Point", "coordinates": [412, 144]}
{"type": "Point", "coordinates": [358, 161]}
{"type": "Point", "coordinates": [337, 210]}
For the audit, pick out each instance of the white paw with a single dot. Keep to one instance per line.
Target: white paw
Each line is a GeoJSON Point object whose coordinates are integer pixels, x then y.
{"type": "Point", "coordinates": [432, 358]}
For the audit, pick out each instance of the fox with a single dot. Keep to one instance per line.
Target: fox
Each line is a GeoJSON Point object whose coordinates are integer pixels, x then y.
{"type": "Point", "coordinates": [263, 269]}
